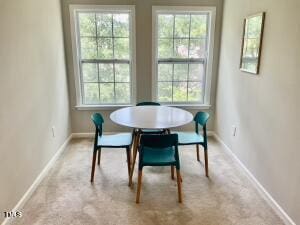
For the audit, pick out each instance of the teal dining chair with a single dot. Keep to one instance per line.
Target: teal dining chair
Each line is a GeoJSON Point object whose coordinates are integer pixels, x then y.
{"type": "Point", "coordinates": [158, 150]}
{"type": "Point", "coordinates": [195, 138]}
{"type": "Point", "coordinates": [122, 140]}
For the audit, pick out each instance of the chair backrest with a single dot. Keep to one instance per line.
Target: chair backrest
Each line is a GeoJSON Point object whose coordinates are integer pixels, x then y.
{"type": "Point", "coordinates": [201, 118]}
{"type": "Point", "coordinates": [98, 121]}
{"type": "Point", "coordinates": [147, 103]}
{"type": "Point", "coordinates": [159, 140]}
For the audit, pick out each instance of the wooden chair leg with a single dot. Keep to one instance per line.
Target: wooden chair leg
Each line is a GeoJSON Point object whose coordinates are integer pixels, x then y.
{"type": "Point", "coordinates": [135, 149]}
{"type": "Point", "coordinates": [179, 185]}
{"type": "Point", "coordinates": [206, 162]}
{"type": "Point", "coordinates": [132, 166]}
{"type": "Point", "coordinates": [93, 165]}
{"type": "Point", "coordinates": [198, 155]}
{"type": "Point", "coordinates": [99, 156]}
{"type": "Point", "coordinates": [128, 154]}
{"type": "Point", "coordinates": [172, 173]}
{"type": "Point", "coordinates": [139, 186]}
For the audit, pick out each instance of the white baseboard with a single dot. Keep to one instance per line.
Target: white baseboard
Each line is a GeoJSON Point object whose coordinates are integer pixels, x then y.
{"type": "Point", "coordinates": [263, 192]}
{"type": "Point", "coordinates": [38, 180]}
{"type": "Point", "coordinates": [91, 135]}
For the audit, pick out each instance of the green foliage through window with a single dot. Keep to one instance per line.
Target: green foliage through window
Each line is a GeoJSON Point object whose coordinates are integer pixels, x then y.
{"type": "Point", "coordinates": [104, 40]}
{"type": "Point", "coordinates": [181, 53]}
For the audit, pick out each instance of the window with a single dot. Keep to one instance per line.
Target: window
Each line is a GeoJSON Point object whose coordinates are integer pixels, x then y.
{"type": "Point", "coordinates": [104, 63]}
{"type": "Point", "coordinates": [183, 41]}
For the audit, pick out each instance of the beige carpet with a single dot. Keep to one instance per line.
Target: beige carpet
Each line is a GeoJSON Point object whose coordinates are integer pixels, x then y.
{"type": "Point", "coordinates": [67, 197]}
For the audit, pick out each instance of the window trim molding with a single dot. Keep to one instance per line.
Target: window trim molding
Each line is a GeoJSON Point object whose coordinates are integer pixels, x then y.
{"type": "Point", "coordinates": [212, 23]}
{"type": "Point", "coordinates": [73, 9]}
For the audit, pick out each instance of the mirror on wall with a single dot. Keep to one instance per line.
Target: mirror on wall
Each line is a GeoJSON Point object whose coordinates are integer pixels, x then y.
{"type": "Point", "coordinates": [252, 43]}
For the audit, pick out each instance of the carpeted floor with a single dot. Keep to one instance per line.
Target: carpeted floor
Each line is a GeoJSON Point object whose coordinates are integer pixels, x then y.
{"type": "Point", "coordinates": [67, 197]}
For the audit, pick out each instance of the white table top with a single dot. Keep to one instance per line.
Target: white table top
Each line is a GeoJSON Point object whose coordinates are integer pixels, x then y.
{"type": "Point", "coordinates": [151, 117]}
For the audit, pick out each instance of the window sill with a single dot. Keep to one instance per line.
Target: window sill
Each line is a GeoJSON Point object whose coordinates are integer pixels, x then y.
{"type": "Point", "coordinates": [115, 107]}
{"type": "Point", "coordinates": [99, 107]}
{"type": "Point", "coordinates": [187, 106]}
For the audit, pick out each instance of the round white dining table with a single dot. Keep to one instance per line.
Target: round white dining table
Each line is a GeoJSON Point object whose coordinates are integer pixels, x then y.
{"type": "Point", "coordinates": [151, 117]}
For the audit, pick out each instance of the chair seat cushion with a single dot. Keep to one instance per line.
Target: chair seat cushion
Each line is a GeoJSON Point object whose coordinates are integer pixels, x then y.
{"type": "Point", "coordinates": [158, 156]}
{"type": "Point", "coordinates": [115, 140]}
{"type": "Point", "coordinates": [189, 138]}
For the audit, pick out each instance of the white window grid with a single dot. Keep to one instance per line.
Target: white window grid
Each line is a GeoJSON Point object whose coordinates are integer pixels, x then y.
{"type": "Point", "coordinates": [78, 60]}
{"type": "Point", "coordinates": [206, 61]}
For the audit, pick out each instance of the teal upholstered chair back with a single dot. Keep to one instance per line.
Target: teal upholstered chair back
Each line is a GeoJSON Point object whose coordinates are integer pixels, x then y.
{"type": "Point", "coordinates": [159, 142]}
{"type": "Point", "coordinates": [147, 103]}
{"type": "Point", "coordinates": [98, 121]}
{"type": "Point", "coordinates": [201, 118]}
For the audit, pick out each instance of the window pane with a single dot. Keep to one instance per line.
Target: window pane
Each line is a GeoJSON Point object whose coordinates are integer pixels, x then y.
{"type": "Point", "coordinates": [121, 46]}
{"type": "Point", "coordinates": [89, 72]}
{"type": "Point", "coordinates": [122, 72]}
{"type": "Point", "coordinates": [104, 37]}
{"type": "Point", "coordinates": [182, 25]}
{"type": "Point", "coordinates": [165, 72]}
{"type": "Point", "coordinates": [197, 48]}
{"type": "Point", "coordinates": [180, 72]}
{"type": "Point", "coordinates": [91, 93]}
{"type": "Point", "coordinates": [181, 48]}
{"type": "Point", "coordinates": [182, 36]}
{"type": "Point", "coordinates": [107, 93]}
{"type": "Point", "coordinates": [179, 91]}
{"type": "Point", "coordinates": [121, 25]}
{"type": "Point", "coordinates": [122, 92]}
{"type": "Point", "coordinates": [198, 26]}
{"type": "Point", "coordinates": [105, 49]}
{"type": "Point", "coordinates": [88, 48]}
{"type": "Point", "coordinates": [165, 48]}
{"type": "Point", "coordinates": [104, 25]}
{"type": "Point", "coordinates": [196, 72]}
{"type": "Point", "coordinates": [87, 24]}
{"type": "Point", "coordinates": [165, 26]}
{"type": "Point", "coordinates": [165, 91]}
{"type": "Point", "coordinates": [106, 72]}
{"type": "Point", "coordinates": [195, 93]}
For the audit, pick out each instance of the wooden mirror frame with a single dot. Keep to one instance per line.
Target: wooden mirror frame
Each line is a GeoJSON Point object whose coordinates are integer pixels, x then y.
{"type": "Point", "coordinates": [262, 14]}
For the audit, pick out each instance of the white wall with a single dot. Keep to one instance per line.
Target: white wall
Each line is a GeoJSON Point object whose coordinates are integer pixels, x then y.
{"type": "Point", "coordinates": [265, 107]}
{"type": "Point", "coordinates": [33, 93]}
{"type": "Point", "coordinates": [81, 121]}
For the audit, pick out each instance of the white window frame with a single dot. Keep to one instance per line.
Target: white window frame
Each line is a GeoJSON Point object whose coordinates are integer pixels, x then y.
{"type": "Point", "coordinates": [74, 9]}
{"type": "Point", "coordinates": [183, 9]}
